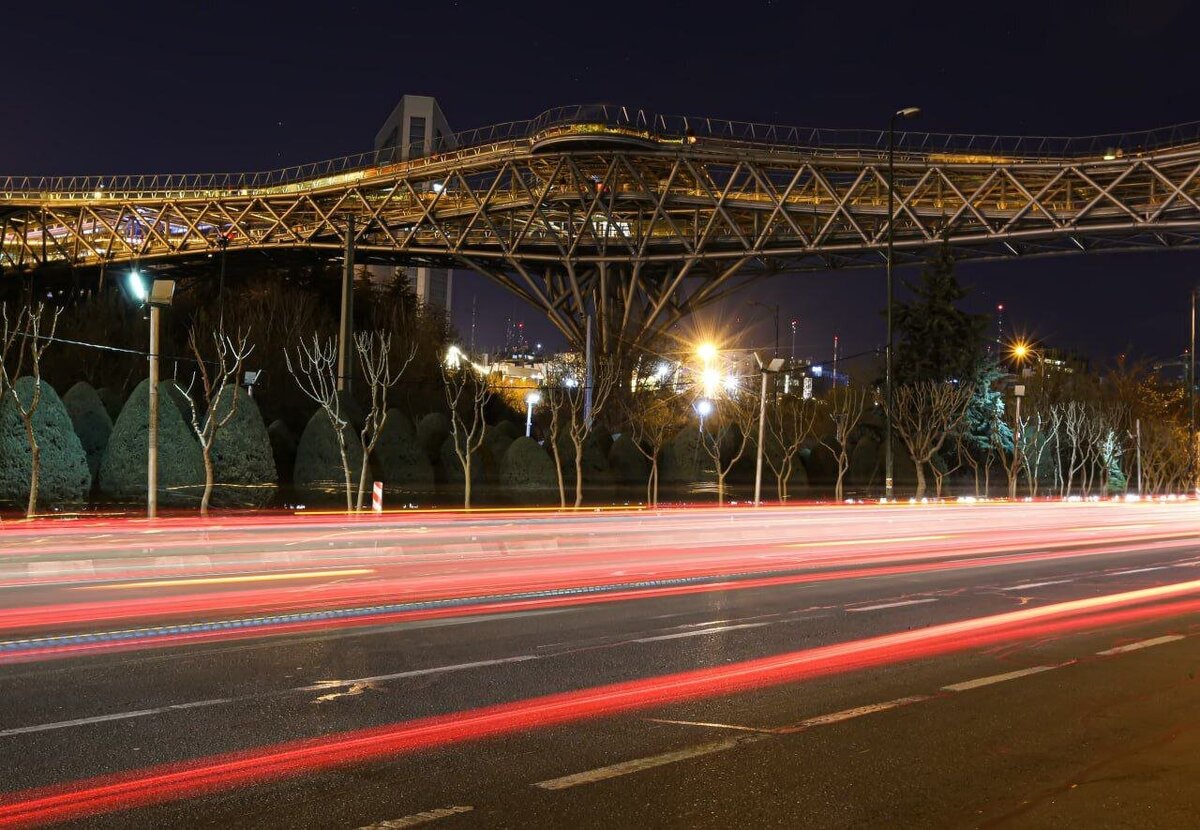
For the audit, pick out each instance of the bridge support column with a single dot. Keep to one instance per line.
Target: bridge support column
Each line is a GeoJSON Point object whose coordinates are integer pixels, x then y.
{"type": "Point", "coordinates": [346, 321]}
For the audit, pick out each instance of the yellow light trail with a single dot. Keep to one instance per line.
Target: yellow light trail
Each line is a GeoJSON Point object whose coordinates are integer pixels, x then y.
{"type": "Point", "coordinates": [226, 580]}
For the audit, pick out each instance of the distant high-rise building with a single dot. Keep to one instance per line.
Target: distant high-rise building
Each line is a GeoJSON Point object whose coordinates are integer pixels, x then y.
{"type": "Point", "coordinates": [416, 128]}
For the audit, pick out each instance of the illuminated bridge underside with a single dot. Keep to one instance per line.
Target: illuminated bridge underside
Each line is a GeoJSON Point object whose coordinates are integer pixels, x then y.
{"type": "Point", "coordinates": [638, 229]}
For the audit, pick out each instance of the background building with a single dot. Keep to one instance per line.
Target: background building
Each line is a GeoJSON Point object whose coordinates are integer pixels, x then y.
{"type": "Point", "coordinates": [415, 128]}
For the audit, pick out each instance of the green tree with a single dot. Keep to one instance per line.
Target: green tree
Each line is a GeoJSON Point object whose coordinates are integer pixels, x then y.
{"type": "Point", "coordinates": [937, 340]}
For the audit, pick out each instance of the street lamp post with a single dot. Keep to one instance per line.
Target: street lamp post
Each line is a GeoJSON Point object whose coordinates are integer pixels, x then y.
{"type": "Point", "coordinates": [773, 366]}
{"type": "Point", "coordinates": [1018, 392]}
{"type": "Point", "coordinates": [907, 112]}
{"type": "Point", "coordinates": [775, 310]}
{"type": "Point", "coordinates": [1191, 375]}
{"type": "Point", "coordinates": [704, 408]}
{"type": "Point", "coordinates": [531, 400]}
{"type": "Point", "coordinates": [157, 295]}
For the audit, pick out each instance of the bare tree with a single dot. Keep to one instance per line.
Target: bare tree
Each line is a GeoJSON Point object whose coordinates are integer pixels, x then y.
{"type": "Point", "coordinates": [653, 416]}
{"type": "Point", "coordinates": [374, 350]}
{"type": "Point", "coordinates": [942, 470]}
{"type": "Point", "coordinates": [28, 328]}
{"type": "Point", "coordinates": [1035, 434]}
{"type": "Point", "coordinates": [734, 414]}
{"type": "Point", "coordinates": [790, 423]}
{"type": "Point", "coordinates": [467, 395]}
{"type": "Point", "coordinates": [217, 375]}
{"type": "Point", "coordinates": [924, 415]}
{"type": "Point", "coordinates": [846, 408]}
{"type": "Point", "coordinates": [315, 371]}
{"type": "Point", "coordinates": [566, 399]}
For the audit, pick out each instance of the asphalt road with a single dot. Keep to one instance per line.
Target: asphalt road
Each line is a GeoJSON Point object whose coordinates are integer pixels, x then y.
{"type": "Point", "coordinates": [983, 665]}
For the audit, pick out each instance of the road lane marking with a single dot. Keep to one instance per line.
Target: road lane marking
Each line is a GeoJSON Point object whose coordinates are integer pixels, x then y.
{"type": "Point", "coordinates": [995, 678]}
{"type": "Point", "coordinates": [1154, 641]}
{"type": "Point", "coordinates": [849, 714]}
{"type": "Point", "coordinates": [319, 686]}
{"type": "Point", "coordinates": [877, 540]}
{"type": "Point", "coordinates": [140, 713]}
{"type": "Point", "coordinates": [1139, 570]}
{"type": "Point", "coordinates": [1025, 585]}
{"type": "Point", "coordinates": [698, 633]}
{"type": "Point", "coordinates": [639, 764]}
{"type": "Point", "coordinates": [883, 605]}
{"type": "Point", "coordinates": [709, 724]}
{"type": "Point", "coordinates": [417, 818]}
{"type": "Point", "coordinates": [222, 580]}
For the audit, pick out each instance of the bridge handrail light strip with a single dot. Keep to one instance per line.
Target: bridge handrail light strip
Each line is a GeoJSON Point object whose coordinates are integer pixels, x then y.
{"type": "Point", "coordinates": [969, 148]}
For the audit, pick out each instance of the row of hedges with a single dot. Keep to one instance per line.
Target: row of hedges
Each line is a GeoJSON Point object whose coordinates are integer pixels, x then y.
{"type": "Point", "coordinates": [81, 445]}
{"type": "Point", "coordinates": [82, 449]}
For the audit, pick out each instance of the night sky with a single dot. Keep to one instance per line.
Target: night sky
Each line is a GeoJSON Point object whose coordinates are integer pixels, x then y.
{"type": "Point", "coordinates": [187, 87]}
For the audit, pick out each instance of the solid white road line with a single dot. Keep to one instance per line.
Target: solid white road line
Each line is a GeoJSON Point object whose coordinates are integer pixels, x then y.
{"type": "Point", "coordinates": [699, 632]}
{"type": "Point", "coordinates": [1025, 585]}
{"type": "Point", "coordinates": [1139, 570]}
{"type": "Point", "coordinates": [319, 686]}
{"type": "Point", "coordinates": [140, 713]}
{"type": "Point", "coordinates": [639, 764]}
{"type": "Point", "coordinates": [995, 678]}
{"type": "Point", "coordinates": [1155, 641]}
{"type": "Point", "coordinates": [417, 818]}
{"type": "Point", "coordinates": [891, 605]}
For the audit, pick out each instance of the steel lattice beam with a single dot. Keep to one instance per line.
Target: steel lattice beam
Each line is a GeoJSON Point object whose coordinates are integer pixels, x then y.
{"type": "Point", "coordinates": [633, 226]}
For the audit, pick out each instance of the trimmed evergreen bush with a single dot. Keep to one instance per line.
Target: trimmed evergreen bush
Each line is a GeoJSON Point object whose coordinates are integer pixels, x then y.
{"type": "Point", "coordinates": [684, 460]}
{"type": "Point", "coordinates": [243, 462]}
{"type": "Point", "coordinates": [628, 464]}
{"type": "Point", "coordinates": [402, 461]}
{"type": "Point", "coordinates": [866, 463]}
{"type": "Point", "coordinates": [113, 400]}
{"type": "Point", "coordinates": [452, 467]}
{"type": "Point", "coordinates": [432, 431]}
{"type": "Point", "coordinates": [318, 472]}
{"type": "Point", "coordinates": [91, 422]}
{"type": "Point", "coordinates": [180, 465]}
{"type": "Point", "coordinates": [528, 468]}
{"type": "Point", "coordinates": [64, 478]}
{"type": "Point", "coordinates": [283, 450]}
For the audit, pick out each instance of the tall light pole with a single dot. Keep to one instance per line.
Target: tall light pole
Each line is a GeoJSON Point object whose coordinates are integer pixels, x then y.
{"type": "Point", "coordinates": [775, 310]}
{"type": "Point", "coordinates": [1018, 392]}
{"type": "Point", "coordinates": [1191, 375]}
{"type": "Point", "coordinates": [888, 464]}
{"type": "Point", "coordinates": [157, 295]}
{"type": "Point", "coordinates": [773, 366]}
{"type": "Point", "coordinates": [531, 400]}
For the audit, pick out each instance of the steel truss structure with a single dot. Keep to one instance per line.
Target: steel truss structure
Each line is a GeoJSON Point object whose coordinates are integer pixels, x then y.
{"type": "Point", "coordinates": [637, 220]}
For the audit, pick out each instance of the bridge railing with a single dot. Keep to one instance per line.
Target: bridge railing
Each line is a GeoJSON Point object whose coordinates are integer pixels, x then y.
{"type": "Point", "coordinates": [685, 128]}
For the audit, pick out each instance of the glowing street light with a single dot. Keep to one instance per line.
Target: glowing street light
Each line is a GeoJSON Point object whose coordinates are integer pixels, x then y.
{"type": "Point", "coordinates": [707, 352]}
{"type": "Point", "coordinates": [531, 400]}
{"type": "Point", "coordinates": [703, 408]}
{"type": "Point", "coordinates": [158, 295]}
{"type": "Point", "coordinates": [710, 380]}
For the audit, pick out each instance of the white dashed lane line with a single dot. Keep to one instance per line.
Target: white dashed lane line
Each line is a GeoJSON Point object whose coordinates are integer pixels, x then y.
{"type": "Point", "coordinates": [995, 678]}
{"type": "Point", "coordinates": [764, 733]}
{"type": "Point", "coordinates": [698, 632]}
{"type": "Point", "coordinates": [1139, 570]}
{"type": "Point", "coordinates": [1155, 641]}
{"type": "Point", "coordinates": [417, 818]}
{"type": "Point", "coordinates": [1025, 585]}
{"type": "Point", "coordinates": [883, 605]}
{"type": "Point", "coordinates": [649, 762]}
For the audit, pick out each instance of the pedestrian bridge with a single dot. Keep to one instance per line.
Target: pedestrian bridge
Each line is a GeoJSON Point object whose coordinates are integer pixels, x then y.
{"type": "Point", "coordinates": [637, 219]}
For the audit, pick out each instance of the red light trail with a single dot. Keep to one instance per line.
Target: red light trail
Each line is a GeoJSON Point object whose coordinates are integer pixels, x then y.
{"type": "Point", "coordinates": [203, 776]}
